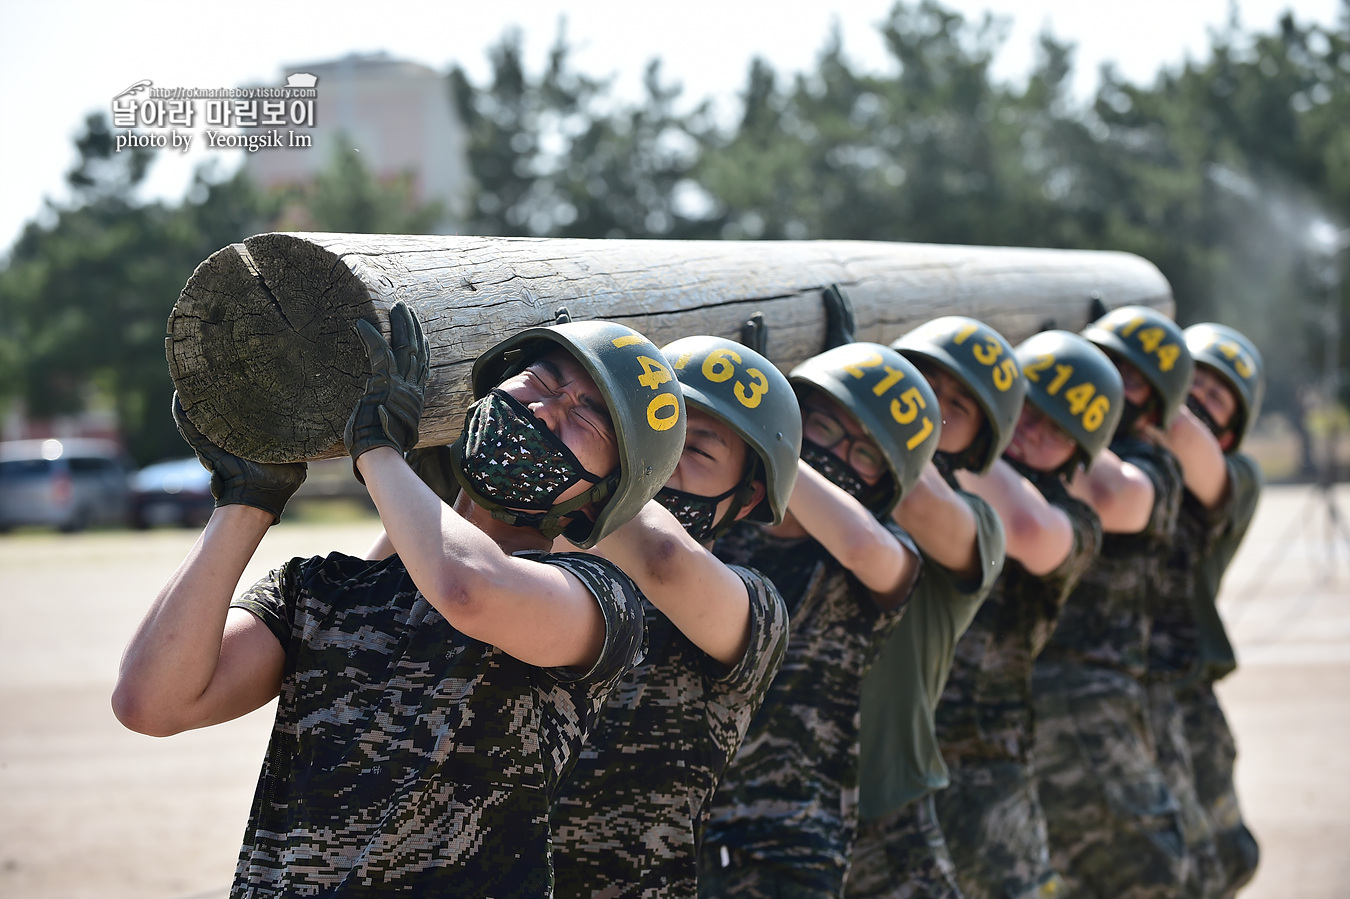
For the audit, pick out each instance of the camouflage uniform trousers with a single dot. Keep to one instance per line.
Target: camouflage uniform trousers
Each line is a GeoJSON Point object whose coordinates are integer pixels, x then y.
{"type": "Point", "coordinates": [1214, 753]}
{"type": "Point", "coordinates": [1115, 828]}
{"type": "Point", "coordinates": [1166, 717]}
{"type": "Point", "coordinates": [995, 830]}
{"type": "Point", "coordinates": [902, 856]}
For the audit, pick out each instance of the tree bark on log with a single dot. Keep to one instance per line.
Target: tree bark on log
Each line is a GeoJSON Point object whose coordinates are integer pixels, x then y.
{"type": "Point", "coordinates": [262, 350]}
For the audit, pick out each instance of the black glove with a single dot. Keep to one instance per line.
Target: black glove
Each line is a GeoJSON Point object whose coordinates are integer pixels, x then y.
{"type": "Point", "coordinates": [432, 465]}
{"type": "Point", "coordinates": [236, 481]}
{"type": "Point", "coordinates": [839, 322]}
{"type": "Point", "coordinates": [388, 413]}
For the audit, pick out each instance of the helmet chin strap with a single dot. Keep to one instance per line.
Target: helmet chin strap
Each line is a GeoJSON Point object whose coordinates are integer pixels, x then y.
{"type": "Point", "coordinates": [744, 491]}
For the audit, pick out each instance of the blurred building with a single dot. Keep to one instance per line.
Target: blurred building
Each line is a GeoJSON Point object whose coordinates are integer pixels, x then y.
{"type": "Point", "coordinates": [401, 117]}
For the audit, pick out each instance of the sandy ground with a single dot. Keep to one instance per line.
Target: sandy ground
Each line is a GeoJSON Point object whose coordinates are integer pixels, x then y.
{"type": "Point", "coordinates": [90, 809]}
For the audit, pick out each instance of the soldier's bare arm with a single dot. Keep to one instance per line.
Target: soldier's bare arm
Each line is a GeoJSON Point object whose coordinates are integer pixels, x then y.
{"type": "Point", "coordinates": [1120, 493]}
{"type": "Point", "coordinates": [1039, 534]}
{"type": "Point", "coordinates": [194, 661]}
{"type": "Point", "coordinates": [941, 523]}
{"type": "Point", "coordinates": [535, 612]}
{"type": "Point", "coordinates": [700, 595]}
{"type": "Point", "coordinates": [853, 536]}
{"type": "Point", "coordinates": [1201, 457]}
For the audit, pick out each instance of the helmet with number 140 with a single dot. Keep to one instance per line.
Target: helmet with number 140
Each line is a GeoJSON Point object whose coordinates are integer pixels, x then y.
{"type": "Point", "coordinates": [1075, 385]}
{"type": "Point", "coordinates": [1153, 344]}
{"type": "Point", "coordinates": [1236, 360]}
{"type": "Point", "coordinates": [888, 399]}
{"type": "Point", "coordinates": [644, 402]}
{"type": "Point", "coordinates": [745, 391]}
{"type": "Point", "coordinates": [981, 359]}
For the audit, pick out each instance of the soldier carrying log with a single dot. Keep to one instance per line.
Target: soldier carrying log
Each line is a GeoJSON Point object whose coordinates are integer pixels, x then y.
{"type": "Point", "coordinates": [430, 702]}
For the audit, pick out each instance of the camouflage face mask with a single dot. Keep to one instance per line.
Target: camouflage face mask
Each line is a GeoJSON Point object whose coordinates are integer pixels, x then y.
{"type": "Point", "coordinates": [511, 459]}
{"type": "Point", "coordinates": [696, 513]}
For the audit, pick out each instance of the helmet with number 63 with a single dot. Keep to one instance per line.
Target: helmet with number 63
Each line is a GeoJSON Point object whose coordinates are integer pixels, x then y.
{"type": "Point", "coordinates": [1237, 361]}
{"type": "Point", "coordinates": [644, 402]}
{"type": "Point", "coordinates": [1152, 343]}
{"type": "Point", "coordinates": [747, 392]}
{"type": "Point", "coordinates": [1075, 385]}
{"type": "Point", "coordinates": [981, 359]}
{"type": "Point", "coordinates": [888, 398]}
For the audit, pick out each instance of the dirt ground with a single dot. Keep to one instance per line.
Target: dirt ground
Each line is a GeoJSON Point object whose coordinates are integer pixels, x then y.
{"type": "Point", "coordinates": [89, 809]}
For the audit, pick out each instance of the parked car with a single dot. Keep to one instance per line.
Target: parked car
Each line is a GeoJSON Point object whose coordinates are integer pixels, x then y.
{"type": "Point", "coordinates": [176, 492]}
{"type": "Point", "coordinates": [67, 484]}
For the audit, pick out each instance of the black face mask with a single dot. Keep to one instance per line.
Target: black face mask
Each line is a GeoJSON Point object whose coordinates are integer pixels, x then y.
{"type": "Point", "coordinates": [696, 513]}
{"type": "Point", "coordinates": [1200, 412]}
{"type": "Point", "coordinates": [1132, 413]}
{"type": "Point", "coordinates": [508, 460]}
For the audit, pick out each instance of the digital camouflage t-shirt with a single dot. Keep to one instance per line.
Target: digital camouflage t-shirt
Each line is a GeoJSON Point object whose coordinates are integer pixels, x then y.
{"type": "Point", "coordinates": [1107, 618]}
{"type": "Point", "coordinates": [626, 822]}
{"type": "Point", "coordinates": [1216, 656]}
{"type": "Point", "coordinates": [407, 757]}
{"type": "Point", "coordinates": [985, 712]}
{"type": "Point", "coordinates": [790, 797]}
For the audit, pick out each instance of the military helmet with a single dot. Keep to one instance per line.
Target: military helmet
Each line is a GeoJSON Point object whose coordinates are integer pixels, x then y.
{"type": "Point", "coordinates": [1237, 361]}
{"type": "Point", "coordinates": [1075, 385]}
{"type": "Point", "coordinates": [1152, 343]}
{"type": "Point", "coordinates": [747, 392]}
{"type": "Point", "coordinates": [888, 398]}
{"type": "Point", "coordinates": [644, 402]}
{"type": "Point", "coordinates": [981, 359]}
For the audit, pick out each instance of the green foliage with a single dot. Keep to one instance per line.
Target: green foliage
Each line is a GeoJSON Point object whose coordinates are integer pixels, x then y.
{"type": "Point", "coordinates": [346, 197]}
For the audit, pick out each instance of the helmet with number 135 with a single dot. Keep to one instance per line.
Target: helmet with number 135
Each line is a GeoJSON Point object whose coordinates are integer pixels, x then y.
{"type": "Point", "coordinates": [982, 360]}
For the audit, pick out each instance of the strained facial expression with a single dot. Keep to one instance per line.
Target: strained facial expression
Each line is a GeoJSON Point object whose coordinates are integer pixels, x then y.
{"type": "Point", "coordinates": [962, 416]}
{"type": "Point", "coordinates": [562, 395]}
{"type": "Point", "coordinates": [713, 459]}
{"type": "Point", "coordinates": [1039, 443]}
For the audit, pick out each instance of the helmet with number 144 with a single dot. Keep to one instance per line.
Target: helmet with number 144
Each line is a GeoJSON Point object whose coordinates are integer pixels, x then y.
{"type": "Point", "coordinates": [644, 404]}
{"type": "Point", "coordinates": [884, 395]}
{"type": "Point", "coordinates": [1152, 344]}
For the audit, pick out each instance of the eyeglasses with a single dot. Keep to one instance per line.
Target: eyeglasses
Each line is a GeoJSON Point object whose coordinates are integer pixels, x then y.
{"type": "Point", "coordinates": [862, 455]}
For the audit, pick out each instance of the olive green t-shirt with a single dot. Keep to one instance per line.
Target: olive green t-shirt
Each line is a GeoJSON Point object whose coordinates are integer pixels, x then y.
{"type": "Point", "coordinates": [900, 759]}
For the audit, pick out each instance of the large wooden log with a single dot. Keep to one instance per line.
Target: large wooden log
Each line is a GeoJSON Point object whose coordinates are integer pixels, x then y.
{"type": "Point", "coordinates": [261, 348]}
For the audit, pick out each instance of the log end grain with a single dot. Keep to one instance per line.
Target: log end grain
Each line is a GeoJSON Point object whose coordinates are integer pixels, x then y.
{"type": "Point", "coordinates": [261, 349]}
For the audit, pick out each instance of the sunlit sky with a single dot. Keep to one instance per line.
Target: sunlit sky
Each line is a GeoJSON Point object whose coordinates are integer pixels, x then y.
{"type": "Point", "coordinates": [62, 59]}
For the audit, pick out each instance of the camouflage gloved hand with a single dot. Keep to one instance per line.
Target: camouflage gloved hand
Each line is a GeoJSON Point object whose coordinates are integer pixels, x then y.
{"type": "Point", "coordinates": [236, 481]}
{"type": "Point", "coordinates": [389, 411]}
{"type": "Point", "coordinates": [432, 465]}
